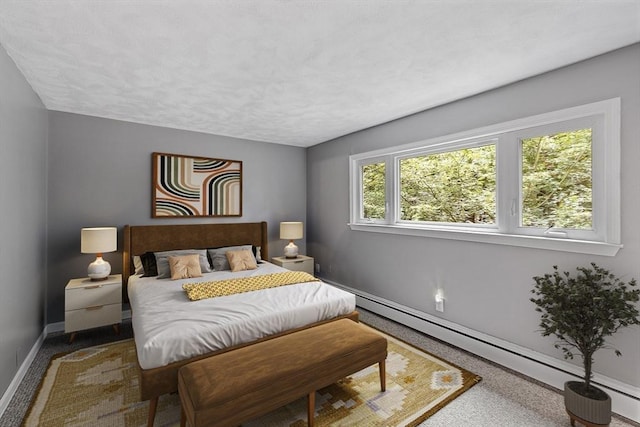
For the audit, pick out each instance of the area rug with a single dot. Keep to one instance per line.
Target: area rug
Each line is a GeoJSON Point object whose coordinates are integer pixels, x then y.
{"type": "Point", "coordinates": [98, 386]}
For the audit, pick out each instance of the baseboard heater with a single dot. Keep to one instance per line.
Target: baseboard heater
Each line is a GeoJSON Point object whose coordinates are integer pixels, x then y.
{"type": "Point", "coordinates": [548, 370]}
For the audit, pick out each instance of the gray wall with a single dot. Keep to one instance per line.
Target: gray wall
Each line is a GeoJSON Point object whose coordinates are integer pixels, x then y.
{"type": "Point", "coordinates": [100, 175]}
{"type": "Point", "coordinates": [23, 189]}
{"type": "Point", "coordinates": [487, 287]}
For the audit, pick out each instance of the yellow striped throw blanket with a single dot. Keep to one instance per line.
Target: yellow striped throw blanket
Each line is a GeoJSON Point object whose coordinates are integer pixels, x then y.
{"type": "Point", "coordinates": [219, 288]}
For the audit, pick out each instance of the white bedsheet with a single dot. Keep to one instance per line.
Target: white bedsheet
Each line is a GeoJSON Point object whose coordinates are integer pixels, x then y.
{"type": "Point", "coordinates": [168, 327]}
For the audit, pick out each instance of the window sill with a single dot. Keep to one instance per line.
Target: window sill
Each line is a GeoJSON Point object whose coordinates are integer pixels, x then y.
{"type": "Point", "coordinates": [548, 243]}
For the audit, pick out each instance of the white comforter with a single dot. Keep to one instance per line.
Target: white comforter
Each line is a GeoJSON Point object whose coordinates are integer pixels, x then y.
{"type": "Point", "coordinates": [168, 327]}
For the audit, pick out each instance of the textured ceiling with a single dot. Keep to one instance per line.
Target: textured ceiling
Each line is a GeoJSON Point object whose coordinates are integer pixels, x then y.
{"type": "Point", "coordinates": [294, 72]}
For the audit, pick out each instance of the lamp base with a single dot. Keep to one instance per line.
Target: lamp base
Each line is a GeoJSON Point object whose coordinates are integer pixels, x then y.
{"type": "Point", "coordinates": [99, 269]}
{"type": "Point", "coordinates": [291, 250]}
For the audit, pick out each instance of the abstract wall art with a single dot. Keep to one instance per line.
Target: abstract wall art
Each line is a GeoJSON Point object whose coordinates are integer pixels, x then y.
{"type": "Point", "coordinates": [187, 186]}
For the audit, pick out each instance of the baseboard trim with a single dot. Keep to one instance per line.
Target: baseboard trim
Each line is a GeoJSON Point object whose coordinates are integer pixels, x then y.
{"type": "Point", "coordinates": [22, 371]}
{"type": "Point", "coordinates": [26, 364]}
{"type": "Point", "coordinates": [543, 368]}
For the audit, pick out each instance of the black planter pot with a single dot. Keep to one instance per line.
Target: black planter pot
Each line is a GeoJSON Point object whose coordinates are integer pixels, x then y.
{"type": "Point", "coordinates": [595, 410]}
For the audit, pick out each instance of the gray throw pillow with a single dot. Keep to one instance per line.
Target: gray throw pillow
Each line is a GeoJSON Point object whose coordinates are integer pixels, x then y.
{"type": "Point", "coordinates": [162, 261]}
{"type": "Point", "coordinates": [218, 256]}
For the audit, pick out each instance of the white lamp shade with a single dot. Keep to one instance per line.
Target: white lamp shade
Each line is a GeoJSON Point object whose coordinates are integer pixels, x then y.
{"type": "Point", "coordinates": [290, 230]}
{"type": "Point", "coordinates": [98, 240]}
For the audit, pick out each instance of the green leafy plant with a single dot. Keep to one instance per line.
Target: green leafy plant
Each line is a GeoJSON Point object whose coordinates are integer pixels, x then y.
{"type": "Point", "coordinates": [583, 310]}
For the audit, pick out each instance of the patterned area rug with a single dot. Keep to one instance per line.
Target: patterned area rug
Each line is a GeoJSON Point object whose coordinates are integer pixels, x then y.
{"type": "Point", "coordinates": [98, 386]}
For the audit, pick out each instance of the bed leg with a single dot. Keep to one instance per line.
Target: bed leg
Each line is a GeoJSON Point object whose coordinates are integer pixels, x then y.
{"type": "Point", "coordinates": [153, 405]}
{"type": "Point", "coordinates": [311, 408]}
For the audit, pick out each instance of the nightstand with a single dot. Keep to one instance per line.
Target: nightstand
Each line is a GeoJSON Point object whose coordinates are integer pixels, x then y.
{"type": "Point", "coordinates": [301, 263]}
{"type": "Point", "coordinates": [91, 304]}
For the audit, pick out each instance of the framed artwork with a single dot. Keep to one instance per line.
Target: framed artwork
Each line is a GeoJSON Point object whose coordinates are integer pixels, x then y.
{"type": "Point", "coordinates": [187, 186]}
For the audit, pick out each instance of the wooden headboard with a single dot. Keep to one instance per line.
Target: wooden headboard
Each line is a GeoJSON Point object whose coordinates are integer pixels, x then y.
{"type": "Point", "coordinates": [139, 239]}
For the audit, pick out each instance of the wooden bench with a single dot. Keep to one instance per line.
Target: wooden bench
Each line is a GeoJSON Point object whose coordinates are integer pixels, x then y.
{"type": "Point", "coordinates": [233, 387]}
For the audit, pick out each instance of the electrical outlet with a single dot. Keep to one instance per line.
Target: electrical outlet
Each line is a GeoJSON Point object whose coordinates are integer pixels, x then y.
{"type": "Point", "coordinates": [439, 302]}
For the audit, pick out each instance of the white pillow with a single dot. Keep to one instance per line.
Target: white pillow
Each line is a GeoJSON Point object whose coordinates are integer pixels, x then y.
{"type": "Point", "coordinates": [137, 265]}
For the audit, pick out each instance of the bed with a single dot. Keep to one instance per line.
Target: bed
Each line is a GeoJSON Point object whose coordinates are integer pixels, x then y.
{"type": "Point", "coordinates": [171, 331]}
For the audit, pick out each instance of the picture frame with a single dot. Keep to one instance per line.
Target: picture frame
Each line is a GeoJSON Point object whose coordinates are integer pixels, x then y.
{"type": "Point", "coordinates": [193, 186]}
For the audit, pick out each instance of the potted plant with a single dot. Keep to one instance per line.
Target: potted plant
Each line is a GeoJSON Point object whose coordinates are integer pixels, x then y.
{"type": "Point", "coordinates": [581, 311]}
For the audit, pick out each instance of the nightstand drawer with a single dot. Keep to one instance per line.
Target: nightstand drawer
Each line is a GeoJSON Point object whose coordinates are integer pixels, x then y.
{"type": "Point", "coordinates": [300, 265]}
{"type": "Point", "coordinates": [92, 295]}
{"type": "Point", "coordinates": [92, 317]}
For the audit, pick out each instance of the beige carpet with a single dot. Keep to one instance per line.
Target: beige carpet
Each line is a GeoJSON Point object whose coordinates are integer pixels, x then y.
{"type": "Point", "coordinates": [98, 386]}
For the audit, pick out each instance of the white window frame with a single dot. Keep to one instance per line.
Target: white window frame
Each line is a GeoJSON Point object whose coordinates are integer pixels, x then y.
{"type": "Point", "coordinates": [603, 117]}
{"type": "Point", "coordinates": [442, 148]}
{"type": "Point", "coordinates": [360, 216]}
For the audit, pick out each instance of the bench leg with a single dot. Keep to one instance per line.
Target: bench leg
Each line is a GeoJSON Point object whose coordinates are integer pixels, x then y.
{"type": "Point", "coordinates": [153, 405]}
{"type": "Point", "coordinates": [311, 408]}
{"type": "Point", "coordinates": [383, 375]}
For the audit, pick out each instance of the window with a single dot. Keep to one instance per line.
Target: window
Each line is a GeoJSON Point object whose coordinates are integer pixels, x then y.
{"type": "Point", "coordinates": [549, 181]}
{"type": "Point", "coordinates": [557, 181]}
{"type": "Point", "coordinates": [457, 186]}
{"type": "Point", "coordinates": [373, 191]}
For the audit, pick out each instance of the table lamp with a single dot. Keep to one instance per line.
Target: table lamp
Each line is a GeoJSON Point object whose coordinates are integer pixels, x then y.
{"type": "Point", "coordinates": [291, 231]}
{"type": "Point", "coordinates": [97, 241]}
